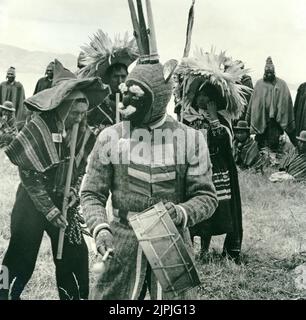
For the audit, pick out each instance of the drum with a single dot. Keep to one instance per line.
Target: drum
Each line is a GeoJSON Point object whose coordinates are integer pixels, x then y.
{"type": "Point", "coordinates": [165, 250]}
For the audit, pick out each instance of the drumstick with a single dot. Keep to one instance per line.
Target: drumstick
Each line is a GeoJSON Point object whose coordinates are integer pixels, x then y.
{"type": "Point", "coordinates": [100, 266]}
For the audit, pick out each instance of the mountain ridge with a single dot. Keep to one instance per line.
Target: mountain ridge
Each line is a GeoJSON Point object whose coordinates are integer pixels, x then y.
{"type": "Point", "coordinates": [35, 62]}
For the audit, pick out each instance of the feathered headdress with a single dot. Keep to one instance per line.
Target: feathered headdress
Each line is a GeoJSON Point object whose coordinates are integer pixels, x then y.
{"type": "Point", "coordinates": [102, 53]}
{"type": "Point", "coordinates": [218, 70]}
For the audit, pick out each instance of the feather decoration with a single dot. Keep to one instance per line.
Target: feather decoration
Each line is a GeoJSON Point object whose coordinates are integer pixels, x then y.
{"type": "Point", "coordinates": [102, 52]}
{"type": "Point", "coordinates": [189, 30]}
{"type": "Point", "coordinates": [220, 71]}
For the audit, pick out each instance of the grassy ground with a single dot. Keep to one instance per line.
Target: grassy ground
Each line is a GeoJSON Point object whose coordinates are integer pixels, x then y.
{"type": "Point", "coordinates": [274, 243]}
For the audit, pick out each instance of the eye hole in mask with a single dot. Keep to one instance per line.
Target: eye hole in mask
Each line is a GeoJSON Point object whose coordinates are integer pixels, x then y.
{"type": "Point", "coordinates": [135, 104]}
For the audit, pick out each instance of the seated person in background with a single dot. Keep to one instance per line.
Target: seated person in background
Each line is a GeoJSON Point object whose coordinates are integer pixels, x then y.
{"type": "Point", "coordinates": [8, 128]}
{"type": "Point", "coordinates": [245, 149]}
{"type": "Point", "coordinates": [293, 166]}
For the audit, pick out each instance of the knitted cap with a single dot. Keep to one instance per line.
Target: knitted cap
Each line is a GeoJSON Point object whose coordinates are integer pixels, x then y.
{"type": "Point", "coordinates": [50, 65]}
{"type": "Point", "coordinates": [269, 64]}
{"type": "Point", "coordinates": [151, 77]}
{"type": "Point", "coordinates": [11, 70]}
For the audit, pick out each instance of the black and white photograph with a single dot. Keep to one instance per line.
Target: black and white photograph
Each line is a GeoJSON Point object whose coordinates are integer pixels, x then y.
{"type": "Point", "coordinates": [153, 150]}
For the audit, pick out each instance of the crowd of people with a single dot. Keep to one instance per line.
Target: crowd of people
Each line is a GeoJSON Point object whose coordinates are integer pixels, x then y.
{"type": "Point", "coordinates": [224, 123]}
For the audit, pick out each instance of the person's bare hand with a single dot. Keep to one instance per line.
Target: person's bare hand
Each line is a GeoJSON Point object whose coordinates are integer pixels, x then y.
{"type": "Point", "coordinates": [60, 222]}
{"type": "Point", "coordinates": [72, 199]}
{"type": "Point", "coordinates": [212, 110]}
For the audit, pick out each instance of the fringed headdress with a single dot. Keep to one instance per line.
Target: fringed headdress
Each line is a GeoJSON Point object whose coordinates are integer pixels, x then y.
{"type": "Point", "coordinates": [218, 70]}
{"type": "Point", "coordinates": [102, 52]}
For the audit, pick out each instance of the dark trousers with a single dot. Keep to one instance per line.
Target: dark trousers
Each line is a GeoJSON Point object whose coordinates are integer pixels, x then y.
{"type": "Point", "coordinates": [27, 229]}
{"type": "Point", "coordinates": [231, 246]}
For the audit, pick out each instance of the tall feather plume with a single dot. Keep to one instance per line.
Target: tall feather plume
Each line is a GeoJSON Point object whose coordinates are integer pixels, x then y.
{"type": "Point", "coordinates": [190, 23]}
{"type": "Point", "coordinates": [221, 71]}
{"type": "Point", "coordinates": [102, 49]}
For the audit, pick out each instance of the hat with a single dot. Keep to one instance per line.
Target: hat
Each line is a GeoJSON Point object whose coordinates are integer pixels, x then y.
{"type": "Point", "coordinates": [11, 70]}
{"type": "Point", "coordinates": [103, 53]}
{"type": "Point", "coordinates": [269, 64]}
{"type": "Point", "coordinates": [302, 136]}
{"type": "Point", "coordinates": [50, 65]}
{"type": "Point", "coordinates": [8, 105]}
{"type": "Point", "coordinates": [242, 125]}
{"type": "Point", "coordinates": [216, 70]}
{"type": "Point", "coordinates": [64, 83]}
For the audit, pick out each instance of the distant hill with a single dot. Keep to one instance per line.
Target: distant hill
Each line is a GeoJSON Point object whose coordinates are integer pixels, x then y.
{"type": "Point", "coordinates": [33, 62]}
{"type": "Point", "coordinates": [30, 65]}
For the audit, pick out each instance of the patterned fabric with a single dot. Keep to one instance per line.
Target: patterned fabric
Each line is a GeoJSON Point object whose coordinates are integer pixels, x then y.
{"type": "Point", "coordinates": [222, 183]}
{"type": "Point", "coordinates": [135, 187]}
{"type": "Point", "coordinates": [43, 164]}
{"type": "Point", "coordinates": [33, 148]}
{"type": "Point", "coordinates": [295, 164]}
{"type": "Point", "coordinates": [8, 131]}
{"type": "Point", "coordinates": [228, 216]}
{"type": "Point", "coordinates": [245, 154]}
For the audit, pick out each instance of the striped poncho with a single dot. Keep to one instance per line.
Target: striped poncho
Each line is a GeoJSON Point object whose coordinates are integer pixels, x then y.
{"type": "Point", "coordinates": [295, 164]}
{"type": "Point", "coordinates": [245, 154]}
{"type": "Point", "coordinates": [42, 157]}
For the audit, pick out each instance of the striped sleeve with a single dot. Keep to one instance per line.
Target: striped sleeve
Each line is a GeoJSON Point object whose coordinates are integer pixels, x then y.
{"type": "Point", "coordinates": [200, 191]}
{"type": "Point", "coordinates": [95, 188]}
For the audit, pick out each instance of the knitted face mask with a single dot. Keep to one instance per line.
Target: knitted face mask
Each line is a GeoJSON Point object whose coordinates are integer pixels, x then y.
{"type": "Point", "coordinates": [135, 104]}
{"type": "Point", "coordinates": [157, 93]}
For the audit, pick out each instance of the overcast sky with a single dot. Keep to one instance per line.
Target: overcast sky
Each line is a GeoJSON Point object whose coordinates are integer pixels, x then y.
{"type": "Point", "coordinates": [249, 30]}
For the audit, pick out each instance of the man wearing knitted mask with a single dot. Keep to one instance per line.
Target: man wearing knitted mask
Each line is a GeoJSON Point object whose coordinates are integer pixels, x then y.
{"type": "Point", "coordinates": [185, 188]}
{"type": "Point", "coordinates": [270, 110]}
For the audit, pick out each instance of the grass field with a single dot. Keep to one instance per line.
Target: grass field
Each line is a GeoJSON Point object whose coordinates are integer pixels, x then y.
{"type": "Point", "coordinates": [274, 219]}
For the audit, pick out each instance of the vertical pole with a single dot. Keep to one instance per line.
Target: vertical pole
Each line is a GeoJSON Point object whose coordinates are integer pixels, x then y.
{"type": "Point", "coordinates": [117, 107]}
{"type": "Point", "coordinates": [74, 136]}
{"type": "Point", "coordinates": [152, 35]}
{"type": "Point", "coordinates": [135, 26]}
{"type": "Point", "coordinates": [143, 30]}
